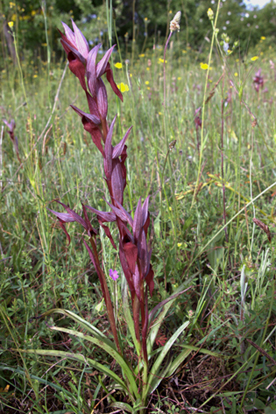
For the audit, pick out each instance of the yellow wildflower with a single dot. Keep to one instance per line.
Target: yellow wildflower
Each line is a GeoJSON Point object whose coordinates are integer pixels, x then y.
{"type": "Point", "coordinates": [123, 87]}
{"type": "Point", "coordinates": [142, 55]}
{"type": "Point", "coordinates": [10, 24]}
{"type": "Point", "coordinates": [179, 78]}
{"type": "Point", "coordinates": [118, 65]}
{"type": "Point", "coordinates": [147, 82]}
{"type": "Point", "coordinates": [254, 58]}
{"type": "Point", "coordinates": [235, 74]}
{"type": "Point", "coordinates": [263, 37]}
{"type": "Point", "coordinates": [204, 66]}
{"type": "Point", "coordinates": [179, 244]}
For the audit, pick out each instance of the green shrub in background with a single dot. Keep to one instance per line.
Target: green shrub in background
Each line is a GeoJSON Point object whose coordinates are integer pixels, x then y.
{"type": "Point", "coordinates": [138, 23]}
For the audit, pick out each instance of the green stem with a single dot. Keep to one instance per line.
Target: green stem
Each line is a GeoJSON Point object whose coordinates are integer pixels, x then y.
{"type": "Point", "coordinates": [204, 103]}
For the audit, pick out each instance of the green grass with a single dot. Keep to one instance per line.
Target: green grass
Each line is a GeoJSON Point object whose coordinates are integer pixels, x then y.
{"type": "Point", "coordinates": [39, 271]}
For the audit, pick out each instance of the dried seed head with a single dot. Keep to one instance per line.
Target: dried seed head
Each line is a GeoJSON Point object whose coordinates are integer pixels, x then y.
{"type": "Point", "coordinates": [264, 227]}
{"type": "Point", "coordinates": [174, 24]}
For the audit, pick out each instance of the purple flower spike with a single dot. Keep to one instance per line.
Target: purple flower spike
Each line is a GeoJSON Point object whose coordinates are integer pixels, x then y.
{"type": "Point", "coordinates": [113, 274]}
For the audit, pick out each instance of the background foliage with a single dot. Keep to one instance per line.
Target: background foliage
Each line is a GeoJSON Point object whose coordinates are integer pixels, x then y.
{"type": "Point", "coordinates": [151, 22]}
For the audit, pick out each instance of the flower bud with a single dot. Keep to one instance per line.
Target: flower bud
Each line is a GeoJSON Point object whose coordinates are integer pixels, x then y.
{"type": "Point", "coordinates": [210, 14]}
{"type": "Point", "coordinates": [174, 24]}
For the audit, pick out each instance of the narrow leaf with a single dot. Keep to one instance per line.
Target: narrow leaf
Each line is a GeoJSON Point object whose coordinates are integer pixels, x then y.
{"type": "Point", "coordinates": [155, 368]}
{"type": "Point", "coordinates": [110, 350]}
{"type": "Point", "coordinates": [79, 358]}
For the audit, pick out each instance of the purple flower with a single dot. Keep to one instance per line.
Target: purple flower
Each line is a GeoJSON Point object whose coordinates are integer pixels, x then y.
{"type": "Point", "coordinates": [258, 81]}
{"type": "Point", "coordinates": [113, 274]}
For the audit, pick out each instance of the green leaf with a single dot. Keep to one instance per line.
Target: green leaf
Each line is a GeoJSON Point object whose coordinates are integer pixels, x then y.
{"type": "Point", "coordinates": [153, 331]}
{"type": "Point", "coordinates": [127, 313]}
{"type": "Point", "coordinates": [202, 350]}
{"type": "Point", "coordinates": [176, 362]}
{"type": "Point", "coordinates": [153, 378]}
{"type": "Point", "coordinates": [104, 344]}
{"type": "Point", "coordinates": [165, 304]}
{"type": "Point", "coordinates": [86, 325]}
{"type": "Point", "coordinates": [122, 406]}
{"type": "Point", "coordinates": [79, 358]}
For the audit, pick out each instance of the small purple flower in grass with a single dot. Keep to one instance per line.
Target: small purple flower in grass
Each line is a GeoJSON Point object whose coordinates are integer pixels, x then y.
{"type": "Point", "coordinates": [197, 119]}
{"type": "Point", "coordinates": [258, 80]}
{"type": "Point", "coordinates": [113, 274]}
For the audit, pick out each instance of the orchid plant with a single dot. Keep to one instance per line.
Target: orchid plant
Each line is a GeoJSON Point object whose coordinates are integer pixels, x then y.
{"type": "Point", "coordinates": [137, 282]}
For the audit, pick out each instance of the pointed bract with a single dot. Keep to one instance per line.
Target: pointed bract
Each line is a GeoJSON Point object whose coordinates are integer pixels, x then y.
{"type": "Point", "coordinates": [64, 217]}
{"type": "Point", "coordinates": [90, 230]}
{"type": "Point", "coordinates": [102, 99]}
{"type": "Point", "coordinates": [145, 211]}
{"type": "Point", "coordinates": [117, 181]}
{"type": "Point", "coordinates": [138, 220]}
{"type": "Point", "coordinates": [109, 77]}
{"type": "Point", "coordinates": [122, 213]}
{"type": "Point", "coordinates": [108, 151]}
{"type": "Point", "coordinates": [137, 283]}
{"type": "Point", "coordinates": [105, 216]}
{"type": "Point", "coordinates": [81, 42]}
{"type": "Point", "coordinates": [92, 104]}
{"type": "Point", "coordinates": [69, 34]}
{"type": "Point", "coordinates": [91, 118]}
{"type": "Point", "coordinates": [118, 149]}
{"type": "Point", "coordinates": [76, 217]}
{"type": "Point", "coordinates": [149, 280]}
{"type": "Point", "coordinates": [102, 64]}
{"type": "Point", "coordinates": [91, 70]}
{"type": "Point", "coordinates": [131, 253]}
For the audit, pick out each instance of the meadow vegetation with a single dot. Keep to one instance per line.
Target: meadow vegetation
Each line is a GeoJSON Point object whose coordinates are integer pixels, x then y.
{"type": "Point", "coordinates": [206, 157]}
